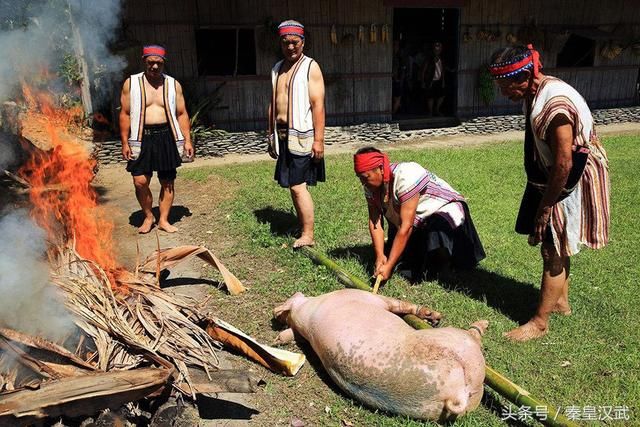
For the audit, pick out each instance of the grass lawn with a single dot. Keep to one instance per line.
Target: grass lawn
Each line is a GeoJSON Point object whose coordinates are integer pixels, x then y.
{"type": "Point", "coordinates": [590, 360]}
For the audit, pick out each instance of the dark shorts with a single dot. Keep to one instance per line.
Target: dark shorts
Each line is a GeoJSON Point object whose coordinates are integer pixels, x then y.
{"type": "Point", "coordinates": [294, 170]}
{"type": "Point", "coordinates": [158, 153]}
{"type": "Point", "coordinates": [436, 90]}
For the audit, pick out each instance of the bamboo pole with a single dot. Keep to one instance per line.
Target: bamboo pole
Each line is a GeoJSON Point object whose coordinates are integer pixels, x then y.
{"type": "Point", "coordinates": [493, 379]}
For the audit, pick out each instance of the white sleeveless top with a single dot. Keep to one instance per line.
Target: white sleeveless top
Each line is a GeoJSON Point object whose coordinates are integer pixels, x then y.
{"type": "Point", "coordinates": [137, 103]}
{"type": "Point", "coordinates": [300, 119]}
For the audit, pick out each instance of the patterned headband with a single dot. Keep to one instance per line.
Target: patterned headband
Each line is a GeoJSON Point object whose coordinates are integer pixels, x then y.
{"type": "Point", "coordinates": [291, 29]}
{"type": "Point", "coordinates": [506, 69]}
{"type": "Point", "coordinates": [154, 50]}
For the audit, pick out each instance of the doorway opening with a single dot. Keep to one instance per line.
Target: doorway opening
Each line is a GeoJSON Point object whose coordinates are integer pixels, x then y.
{"type": "Point", "coordinates": [425, 60]}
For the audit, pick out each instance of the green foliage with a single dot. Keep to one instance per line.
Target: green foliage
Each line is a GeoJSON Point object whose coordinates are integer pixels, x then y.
{"type": "Point", "coordinates": [69, 69]}
{"type": "Point", "coordinates": [486, 87]}
{"type": "Point", "coordinates": [600, 340]}
{"type": "Point", "coordinates": [199, 106]}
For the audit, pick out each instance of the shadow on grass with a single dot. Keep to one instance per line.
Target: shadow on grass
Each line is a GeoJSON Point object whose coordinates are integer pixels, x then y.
{"type": "Point", "coordinates": [282, 223]}
{"type": "Point", "coordinates": [175, 215]}
{"type": "Point", "coordinates": [516, 300]}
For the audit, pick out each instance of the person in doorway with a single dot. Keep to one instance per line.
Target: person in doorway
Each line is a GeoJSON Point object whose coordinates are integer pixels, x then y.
{"type": "Point", "coordinates": [566, 201]}
{"type": "Point", "coordinates": [155, 132]}
{"type": "Point", "coordinates": [433, 80]}
{"type": "Point", "coordinates": [296, 125]}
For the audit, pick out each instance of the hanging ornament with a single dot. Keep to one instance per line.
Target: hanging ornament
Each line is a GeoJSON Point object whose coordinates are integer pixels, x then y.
{"type": "Point", "coordinates": [373, 33]}
{"type": "Point", "coordinates": [334, 35]}
{"type": "Point", "coordinates": [384, 36]}
{"type": "Point", "coordinates": [361, 33]}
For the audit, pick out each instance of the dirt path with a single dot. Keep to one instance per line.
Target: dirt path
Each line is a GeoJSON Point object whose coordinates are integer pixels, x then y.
{"type": "Point", "coordinates": [117, 196]}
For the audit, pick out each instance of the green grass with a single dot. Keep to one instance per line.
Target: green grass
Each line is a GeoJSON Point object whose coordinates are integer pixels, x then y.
{"type": "Point", "coordinates": [601, 340]}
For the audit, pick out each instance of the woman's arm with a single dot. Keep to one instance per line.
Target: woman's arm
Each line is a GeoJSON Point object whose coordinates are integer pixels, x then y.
{"type": "Point", "coordinates": [407, 216]}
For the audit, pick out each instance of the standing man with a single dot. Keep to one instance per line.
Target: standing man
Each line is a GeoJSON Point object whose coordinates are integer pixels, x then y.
{"type": "Point", "coordinates": [296, 125]}
{"type": "Point", "coordinates": [155, 132]}
{"type": "Point", "coordinates": [566, 201]}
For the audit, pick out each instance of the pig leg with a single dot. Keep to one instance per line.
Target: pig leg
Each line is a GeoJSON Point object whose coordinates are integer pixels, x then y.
{"type": "Point", "coordinates": [400, 307]}
{"type": "Point", "coordinates": [477, 330]}
{"type": "Point", "coordinates": [285, 337]}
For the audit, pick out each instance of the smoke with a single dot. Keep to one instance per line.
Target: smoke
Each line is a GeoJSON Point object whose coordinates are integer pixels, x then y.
{"type": "Point", "coordinates": [28, 301]}
{"type": "Point", "coordinates": [37, 35]}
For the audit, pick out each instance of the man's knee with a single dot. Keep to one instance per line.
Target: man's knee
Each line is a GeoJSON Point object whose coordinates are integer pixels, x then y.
{"type": "Point", "coordinates": [141, 182]}
{"type": "Point", "coordinates": [167, 184]}
{"type": "Point", "coordinates": [298, 190]}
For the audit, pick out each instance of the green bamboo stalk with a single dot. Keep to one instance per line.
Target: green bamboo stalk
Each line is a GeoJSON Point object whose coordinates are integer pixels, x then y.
{"type": "Point", "coordinates": [493, 379]}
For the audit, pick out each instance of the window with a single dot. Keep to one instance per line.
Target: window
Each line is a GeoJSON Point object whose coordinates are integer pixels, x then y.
{"type": "Point", "coordinates": [226, 52]}
{"type": "Point", "coordinates": [578, 51]}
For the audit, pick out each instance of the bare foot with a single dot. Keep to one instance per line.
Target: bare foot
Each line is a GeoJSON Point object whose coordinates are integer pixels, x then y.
{"type": "Point", "coordinates": [146, 226]}
{"type": "Point", "coordinates": [167, 227]}
{"type": "Point", "coordinates": [303, 241]}
{"type": "Point", "coordinates": [526, 332]}
{"type": "Point", "coordinates": [562, 308]}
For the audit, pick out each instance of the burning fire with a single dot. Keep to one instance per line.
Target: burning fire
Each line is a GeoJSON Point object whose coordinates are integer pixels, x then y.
{"type": "Point", "coordinates": [64, 203]}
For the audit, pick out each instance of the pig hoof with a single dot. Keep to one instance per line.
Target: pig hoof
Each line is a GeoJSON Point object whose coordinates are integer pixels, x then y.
{"type": "Point", "coordinates": [284, 337]}
{"type": "Point", "coordinates": [432, 317]}
{"type": "Point", "coordinates": [480, 326]}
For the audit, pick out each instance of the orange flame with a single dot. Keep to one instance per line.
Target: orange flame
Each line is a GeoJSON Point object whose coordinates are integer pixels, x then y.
{"type": "Point", "coordinates": [64, 202]}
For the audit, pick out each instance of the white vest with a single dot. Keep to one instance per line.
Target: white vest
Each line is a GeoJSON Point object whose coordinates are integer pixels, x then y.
{"type": "Point", "coordinates": [299, 117]}
{"type": "Point", "coordinates": [137, 103]}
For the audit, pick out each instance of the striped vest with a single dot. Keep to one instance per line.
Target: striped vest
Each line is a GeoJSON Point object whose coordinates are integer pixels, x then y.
{"type": "Point", "coordinates": [299, 117]}
{"type": "Point", "coordinates": [137, 103]}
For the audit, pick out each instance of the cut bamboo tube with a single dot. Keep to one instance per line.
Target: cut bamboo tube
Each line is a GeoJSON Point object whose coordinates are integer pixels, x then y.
{"type": "Point", "coordinates": [377, 285]}
{"type": "Point", "coordinates": [493, 379]}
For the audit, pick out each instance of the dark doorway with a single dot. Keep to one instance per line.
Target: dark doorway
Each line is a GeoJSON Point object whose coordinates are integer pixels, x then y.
{"type": "Point", "coordinates": [425, 57]}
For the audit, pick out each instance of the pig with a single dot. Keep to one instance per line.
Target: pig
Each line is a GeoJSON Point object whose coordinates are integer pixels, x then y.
{"type": "Point", "coordinates": [378, 359]}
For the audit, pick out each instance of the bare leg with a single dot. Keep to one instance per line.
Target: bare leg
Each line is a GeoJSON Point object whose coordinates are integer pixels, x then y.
{"type": "Point", "coordinates": [430, 106]}
{"type": "Point", "coordinates": [554, 280]}
{"type": "Point", "coordinates": [166, 201]}
{"type": "Point", "coordinates": [401, 307]}
{"type": "Point", "coordinates": [439, 106]}
{"type": "Point", "coordinates": [562, 306]}
{"type": "Point", "coordinates": [303, 203]}
{"type": "Point", "coordinates": [396, 104]}
{"type": "Point", "coordinates": [145, 199]}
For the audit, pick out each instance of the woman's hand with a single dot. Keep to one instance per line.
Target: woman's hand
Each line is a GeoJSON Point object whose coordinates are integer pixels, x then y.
{"type": "Point", "coordinates": [380, 261]}
{"type": "Point", "coordinates": [385, 270]}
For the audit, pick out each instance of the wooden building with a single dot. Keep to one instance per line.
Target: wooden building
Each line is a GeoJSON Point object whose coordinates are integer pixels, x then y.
{"type": "Point", "coordinates": [228, 47]}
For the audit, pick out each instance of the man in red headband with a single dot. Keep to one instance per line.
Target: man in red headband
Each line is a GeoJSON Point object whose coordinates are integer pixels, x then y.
{"type": "Point", "coordinates": [430, 227]}
{"type": "Point", "coordinates": [566, 201]}
{"type": "Point", "coordinates": [155, 133]}
{"type": "Point", "coordinates": [296, 125]}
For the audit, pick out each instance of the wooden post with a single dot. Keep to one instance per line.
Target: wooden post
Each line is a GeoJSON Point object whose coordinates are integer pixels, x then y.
{"type": "Point", "coordinates": [85, 81]}
{"type": "Point", "coordinates": [496, 381]}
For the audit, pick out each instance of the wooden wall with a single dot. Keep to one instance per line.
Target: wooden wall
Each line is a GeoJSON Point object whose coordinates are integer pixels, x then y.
{"type": "Point", "coordinates": [357, 75]}
{"type": "Point", "coordinates": [608, 83]}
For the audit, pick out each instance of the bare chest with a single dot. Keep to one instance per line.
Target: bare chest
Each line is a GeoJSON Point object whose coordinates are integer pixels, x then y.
{"type": "Point", "coordinates": [154, 96]}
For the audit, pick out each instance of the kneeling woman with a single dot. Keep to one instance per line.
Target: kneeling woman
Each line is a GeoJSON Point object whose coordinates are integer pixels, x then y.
{"type": "Point", "coordinates": [430, 228]}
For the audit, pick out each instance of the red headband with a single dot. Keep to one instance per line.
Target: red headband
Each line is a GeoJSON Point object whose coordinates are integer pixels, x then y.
{"type": "Point", "coordinates": [154, 51]}
{"type": "Point", "coordinates": [291, 30]}
{"type": "Point", "coordinates": [508, 69]}
{"type": "Point", "coordinates": [366, 161]}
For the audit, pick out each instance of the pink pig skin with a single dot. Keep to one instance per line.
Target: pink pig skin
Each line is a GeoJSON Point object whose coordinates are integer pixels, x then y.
{"type": "Point", "coordinates": [375, 357]}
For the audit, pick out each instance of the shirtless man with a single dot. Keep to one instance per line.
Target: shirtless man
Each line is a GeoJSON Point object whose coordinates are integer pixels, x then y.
{"type": "Point", "coordinates": [154, 134]}
{"type": "Point", "coordinates": [296, 126]}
